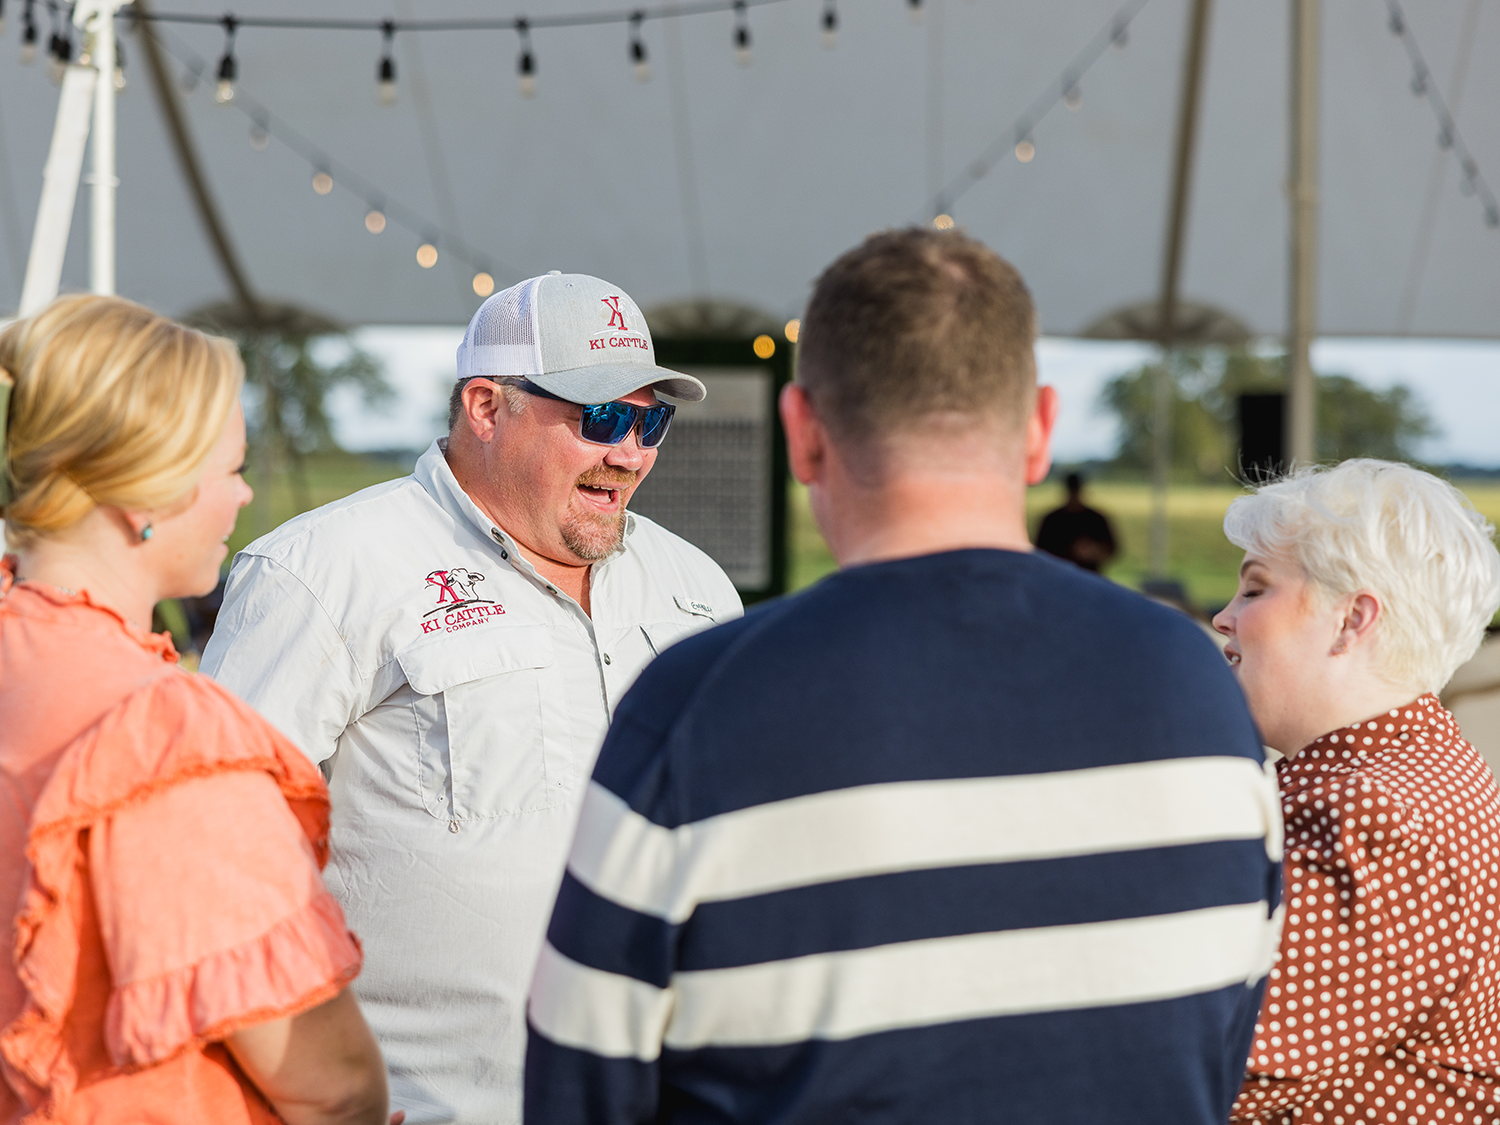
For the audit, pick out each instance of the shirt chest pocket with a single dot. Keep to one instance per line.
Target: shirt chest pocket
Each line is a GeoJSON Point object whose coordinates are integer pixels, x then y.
{"type": "Point", "coordinates": [490, 739]}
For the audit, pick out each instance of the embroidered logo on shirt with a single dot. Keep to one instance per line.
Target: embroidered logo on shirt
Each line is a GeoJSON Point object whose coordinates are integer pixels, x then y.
{"type": "Point", "coordinates": [457, 601]}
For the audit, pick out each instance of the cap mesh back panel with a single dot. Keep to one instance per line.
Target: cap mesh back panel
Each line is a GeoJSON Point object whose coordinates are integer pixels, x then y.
{"type": "Point", "coordinates": [504, 320]}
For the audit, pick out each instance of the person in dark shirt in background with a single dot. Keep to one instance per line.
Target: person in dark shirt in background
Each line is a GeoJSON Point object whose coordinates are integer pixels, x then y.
{"type": "Point", "coordinates": [1077, 532]}
{"type": "Point", "coordinates": [859, 857]}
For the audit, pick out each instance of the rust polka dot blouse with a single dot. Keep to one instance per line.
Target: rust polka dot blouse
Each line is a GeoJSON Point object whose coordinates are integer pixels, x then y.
{"type": "Point", "coordinates": [1383, 1004]}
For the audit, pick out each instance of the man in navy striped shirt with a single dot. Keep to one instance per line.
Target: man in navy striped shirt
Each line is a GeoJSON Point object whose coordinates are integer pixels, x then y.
{"type": "Point", "coordinates": [961, 834]}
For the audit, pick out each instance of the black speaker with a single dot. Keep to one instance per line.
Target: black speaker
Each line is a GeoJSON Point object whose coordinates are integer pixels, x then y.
{"type": "Point", "coordinates": [1262, 429]}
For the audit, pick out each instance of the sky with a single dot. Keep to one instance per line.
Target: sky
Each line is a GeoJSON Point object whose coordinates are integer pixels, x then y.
{"type": "Point", "coordinates": [1458, 382]}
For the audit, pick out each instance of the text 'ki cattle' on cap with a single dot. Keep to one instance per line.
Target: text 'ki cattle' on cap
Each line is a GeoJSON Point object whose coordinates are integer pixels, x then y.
{"type": "Point", "coordinates": [574, 336]}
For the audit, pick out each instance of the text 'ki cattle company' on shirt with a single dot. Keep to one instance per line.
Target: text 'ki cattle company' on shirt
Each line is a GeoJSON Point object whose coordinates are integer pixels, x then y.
{"type": "Point", "coordinates": [458, 700]}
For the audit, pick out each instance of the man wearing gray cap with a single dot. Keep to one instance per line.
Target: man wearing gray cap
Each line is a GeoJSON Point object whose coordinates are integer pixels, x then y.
{"type": "Point", "coordinates": [451, 645]}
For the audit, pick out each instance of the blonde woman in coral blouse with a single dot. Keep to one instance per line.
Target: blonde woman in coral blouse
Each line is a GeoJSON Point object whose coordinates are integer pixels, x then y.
{"type": "Point", "coordinates": [176, 956]}
{"type": "Point", "coordinates": [1363, 588]}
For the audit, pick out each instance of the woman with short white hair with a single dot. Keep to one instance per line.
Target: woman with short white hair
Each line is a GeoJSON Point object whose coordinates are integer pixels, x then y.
{"type": "Point", "coordinates": [1364, 586]}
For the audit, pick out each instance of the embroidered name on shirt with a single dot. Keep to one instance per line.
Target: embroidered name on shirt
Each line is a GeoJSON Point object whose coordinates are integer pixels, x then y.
{"type": "Point", "coordinates": [457, 602]}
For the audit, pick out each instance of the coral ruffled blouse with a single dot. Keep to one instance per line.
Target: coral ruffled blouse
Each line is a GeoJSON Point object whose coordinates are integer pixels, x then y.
{"type": "Point", "coordinates": [1384, 1005]}
{"type": "Point", "coordinates": [164, 845]}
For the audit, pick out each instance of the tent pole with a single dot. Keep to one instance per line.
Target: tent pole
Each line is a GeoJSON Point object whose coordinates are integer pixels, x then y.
{"type": "Point", "coordinates": [1301, 399]}
{"type": "Point", "coordinates": [1171, 274]}
{"type": "Point", "coordinates": [102, 181]}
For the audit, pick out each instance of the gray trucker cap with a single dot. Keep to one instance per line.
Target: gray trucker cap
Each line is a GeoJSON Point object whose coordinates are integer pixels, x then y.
{"type": "Point", "coordinates": [574, 335]}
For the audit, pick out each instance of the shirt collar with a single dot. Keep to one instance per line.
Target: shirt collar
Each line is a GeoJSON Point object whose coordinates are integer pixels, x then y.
{"type": "Point", "coordinates": [433, 473]}
{"type": "Point", "coordinates": [1423, 719]}
{"type": "Point", "coordinates": [158, 643]}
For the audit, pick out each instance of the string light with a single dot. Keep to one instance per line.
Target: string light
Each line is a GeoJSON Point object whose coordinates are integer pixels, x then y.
{"type": "Point", "coordinates": [427, 255]}
{"type": "Point", "coordinates": [375, 220]}
{"type": "Point", "coordinates": [228, 69]}
{"type": "Point", "coordinates": [28, 34]}
{"type": "Point", "coordinates": [914, 10]}
{"type": "Point", "coordinates": [2, 15]}
{"type": "Point", "coordinates": [1018, 139]}
{"type": "Point", "coordinates": [742, 53]}
{"type": "Point", "coordinates": [943, 222]}
{"type": "Point", "coordinates": [60, 48]}
{"type": "Point", "coordinates": [638, 60]}
{"type": "Point", "coordinates": [763, 346]}
{"type": "Point", "coordinates": [793, 330]}
{"type": "Point", "coordinates": [830, 26]}
{"type": "Point", "coordinates": [322, 182]}
{"type": "Point", "coordinates": [525, 65]}
{"type": "Point", "coordinates": [385, 71]}
{"type": "Point", "coordinates": [1449, 139]}
{"type": "Point", "coordinates": [119, 68]}
{"type": "Point", "coordinates": [484, 284]}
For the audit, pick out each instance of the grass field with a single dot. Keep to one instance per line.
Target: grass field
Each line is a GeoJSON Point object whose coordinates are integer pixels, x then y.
{"type": "Point", "coordinates": [1201, 558]}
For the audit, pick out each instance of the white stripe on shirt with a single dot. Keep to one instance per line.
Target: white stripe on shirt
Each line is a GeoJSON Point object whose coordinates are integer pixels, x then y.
{"type": "Point", "coordinates": [907, 984]}
{"type": "Point", "coordinates": [913, 825]}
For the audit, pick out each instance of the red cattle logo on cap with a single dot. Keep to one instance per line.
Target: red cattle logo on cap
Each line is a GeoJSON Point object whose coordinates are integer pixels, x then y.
{"type": "Point", "coordinates": [616, 317]}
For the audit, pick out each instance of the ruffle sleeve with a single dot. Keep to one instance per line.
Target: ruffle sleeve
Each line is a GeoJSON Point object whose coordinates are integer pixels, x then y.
{"type": "Point", "coordinates": [201, 831]}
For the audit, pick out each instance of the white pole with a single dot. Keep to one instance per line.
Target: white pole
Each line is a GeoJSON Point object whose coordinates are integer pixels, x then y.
{"type": "Point", "coordinates": [1302, 398]}
{"type": "Point", "coordinates": [103, 180]}
{"type": "Point", "coordinates": [54, 213]}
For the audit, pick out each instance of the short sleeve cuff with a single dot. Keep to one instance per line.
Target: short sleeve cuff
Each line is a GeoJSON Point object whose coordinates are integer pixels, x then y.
{"type": "Point", "coordinates": [306, 958]}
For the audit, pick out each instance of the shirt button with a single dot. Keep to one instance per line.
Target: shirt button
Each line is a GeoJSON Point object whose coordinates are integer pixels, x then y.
{"type": "Point", "coordinates": [607, 659]}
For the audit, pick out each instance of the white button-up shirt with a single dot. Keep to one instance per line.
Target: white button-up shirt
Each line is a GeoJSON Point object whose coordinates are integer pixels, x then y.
{"type": "Point", "coordinates": [459, 699]}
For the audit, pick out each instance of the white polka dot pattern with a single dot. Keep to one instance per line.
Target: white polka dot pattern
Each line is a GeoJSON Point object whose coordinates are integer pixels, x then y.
{"type": "Point", "coordinates": [1383, 1003]}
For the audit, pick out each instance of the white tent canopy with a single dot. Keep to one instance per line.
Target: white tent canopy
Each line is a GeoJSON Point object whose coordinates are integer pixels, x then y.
{"type": "Point", "coordinates": [715, 180]}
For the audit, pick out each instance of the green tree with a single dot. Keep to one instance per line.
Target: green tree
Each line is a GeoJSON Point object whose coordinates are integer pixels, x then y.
{"type": "Point", "coordinates": [292, 375]}
{"type": "Point", "coordinates": [1353, 420]}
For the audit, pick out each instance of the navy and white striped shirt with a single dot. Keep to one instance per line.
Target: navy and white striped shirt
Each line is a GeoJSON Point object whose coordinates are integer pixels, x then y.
{"type": "Point", "coordinates": [973, 837]}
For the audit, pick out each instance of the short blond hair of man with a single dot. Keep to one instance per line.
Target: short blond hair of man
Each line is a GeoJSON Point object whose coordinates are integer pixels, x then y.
{"type": "Point", "coordinates": [915, 323]}
{"type": "Point", "coordinates": [113, 405]}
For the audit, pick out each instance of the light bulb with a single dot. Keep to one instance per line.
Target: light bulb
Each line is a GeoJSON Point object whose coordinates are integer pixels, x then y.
{"type": "Point", "coordinates": [386, 81]}
{"type": "Point", "coordinates": [1025, 151]}
{"type": "Point", "coordinates": [742, 52]}
{"type": "Point", "coordinates": [322, 183]}
{"type": "Point", "coordinates": [259, 137]}
{"type": "Point", "coordinates": [120, 80]}
{"type": "Point", "coordinates": [792, 330]}
{"type": "Point", "coordinates": [427, 255]}
{"type": "Point", "coordinates": [28, 44]}
{"type": "Point", "coordinates": [527, 70]}
{"type": "Point", "coordinates": [484, 284]}
{"type": "Point", "coordinates": [227, 72]}
{"type": "Point", "coordinates": [375, 221]}
{"type": "Point", "coordinates": [943, 222]}
{"type": "Point", "coordinates": [914, 10]}
{"type": "Point", "coordinates": [639, 63]}
{"type": "Point", "coordinates": [764, 347]}
{"type": "Point", "coordinates": [1073, 99]}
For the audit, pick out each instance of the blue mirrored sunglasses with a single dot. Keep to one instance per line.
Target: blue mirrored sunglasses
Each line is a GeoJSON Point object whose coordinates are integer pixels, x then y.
{"type": "Point", "coordinates": [610, 423]}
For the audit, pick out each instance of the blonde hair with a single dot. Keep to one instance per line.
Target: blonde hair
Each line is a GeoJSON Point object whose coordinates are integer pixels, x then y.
{"type": "Point", "coordinates": [112, 405]}
{"type": "Point", "coordinates": [1379, 525]}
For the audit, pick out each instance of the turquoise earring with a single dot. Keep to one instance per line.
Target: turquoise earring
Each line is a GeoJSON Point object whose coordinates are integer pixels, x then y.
{"type": "Point", "coordinates": [147, 532]}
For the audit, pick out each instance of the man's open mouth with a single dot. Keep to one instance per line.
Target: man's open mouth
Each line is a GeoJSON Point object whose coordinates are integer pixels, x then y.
{"type": "Point", "coordinates": [601, 495]}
